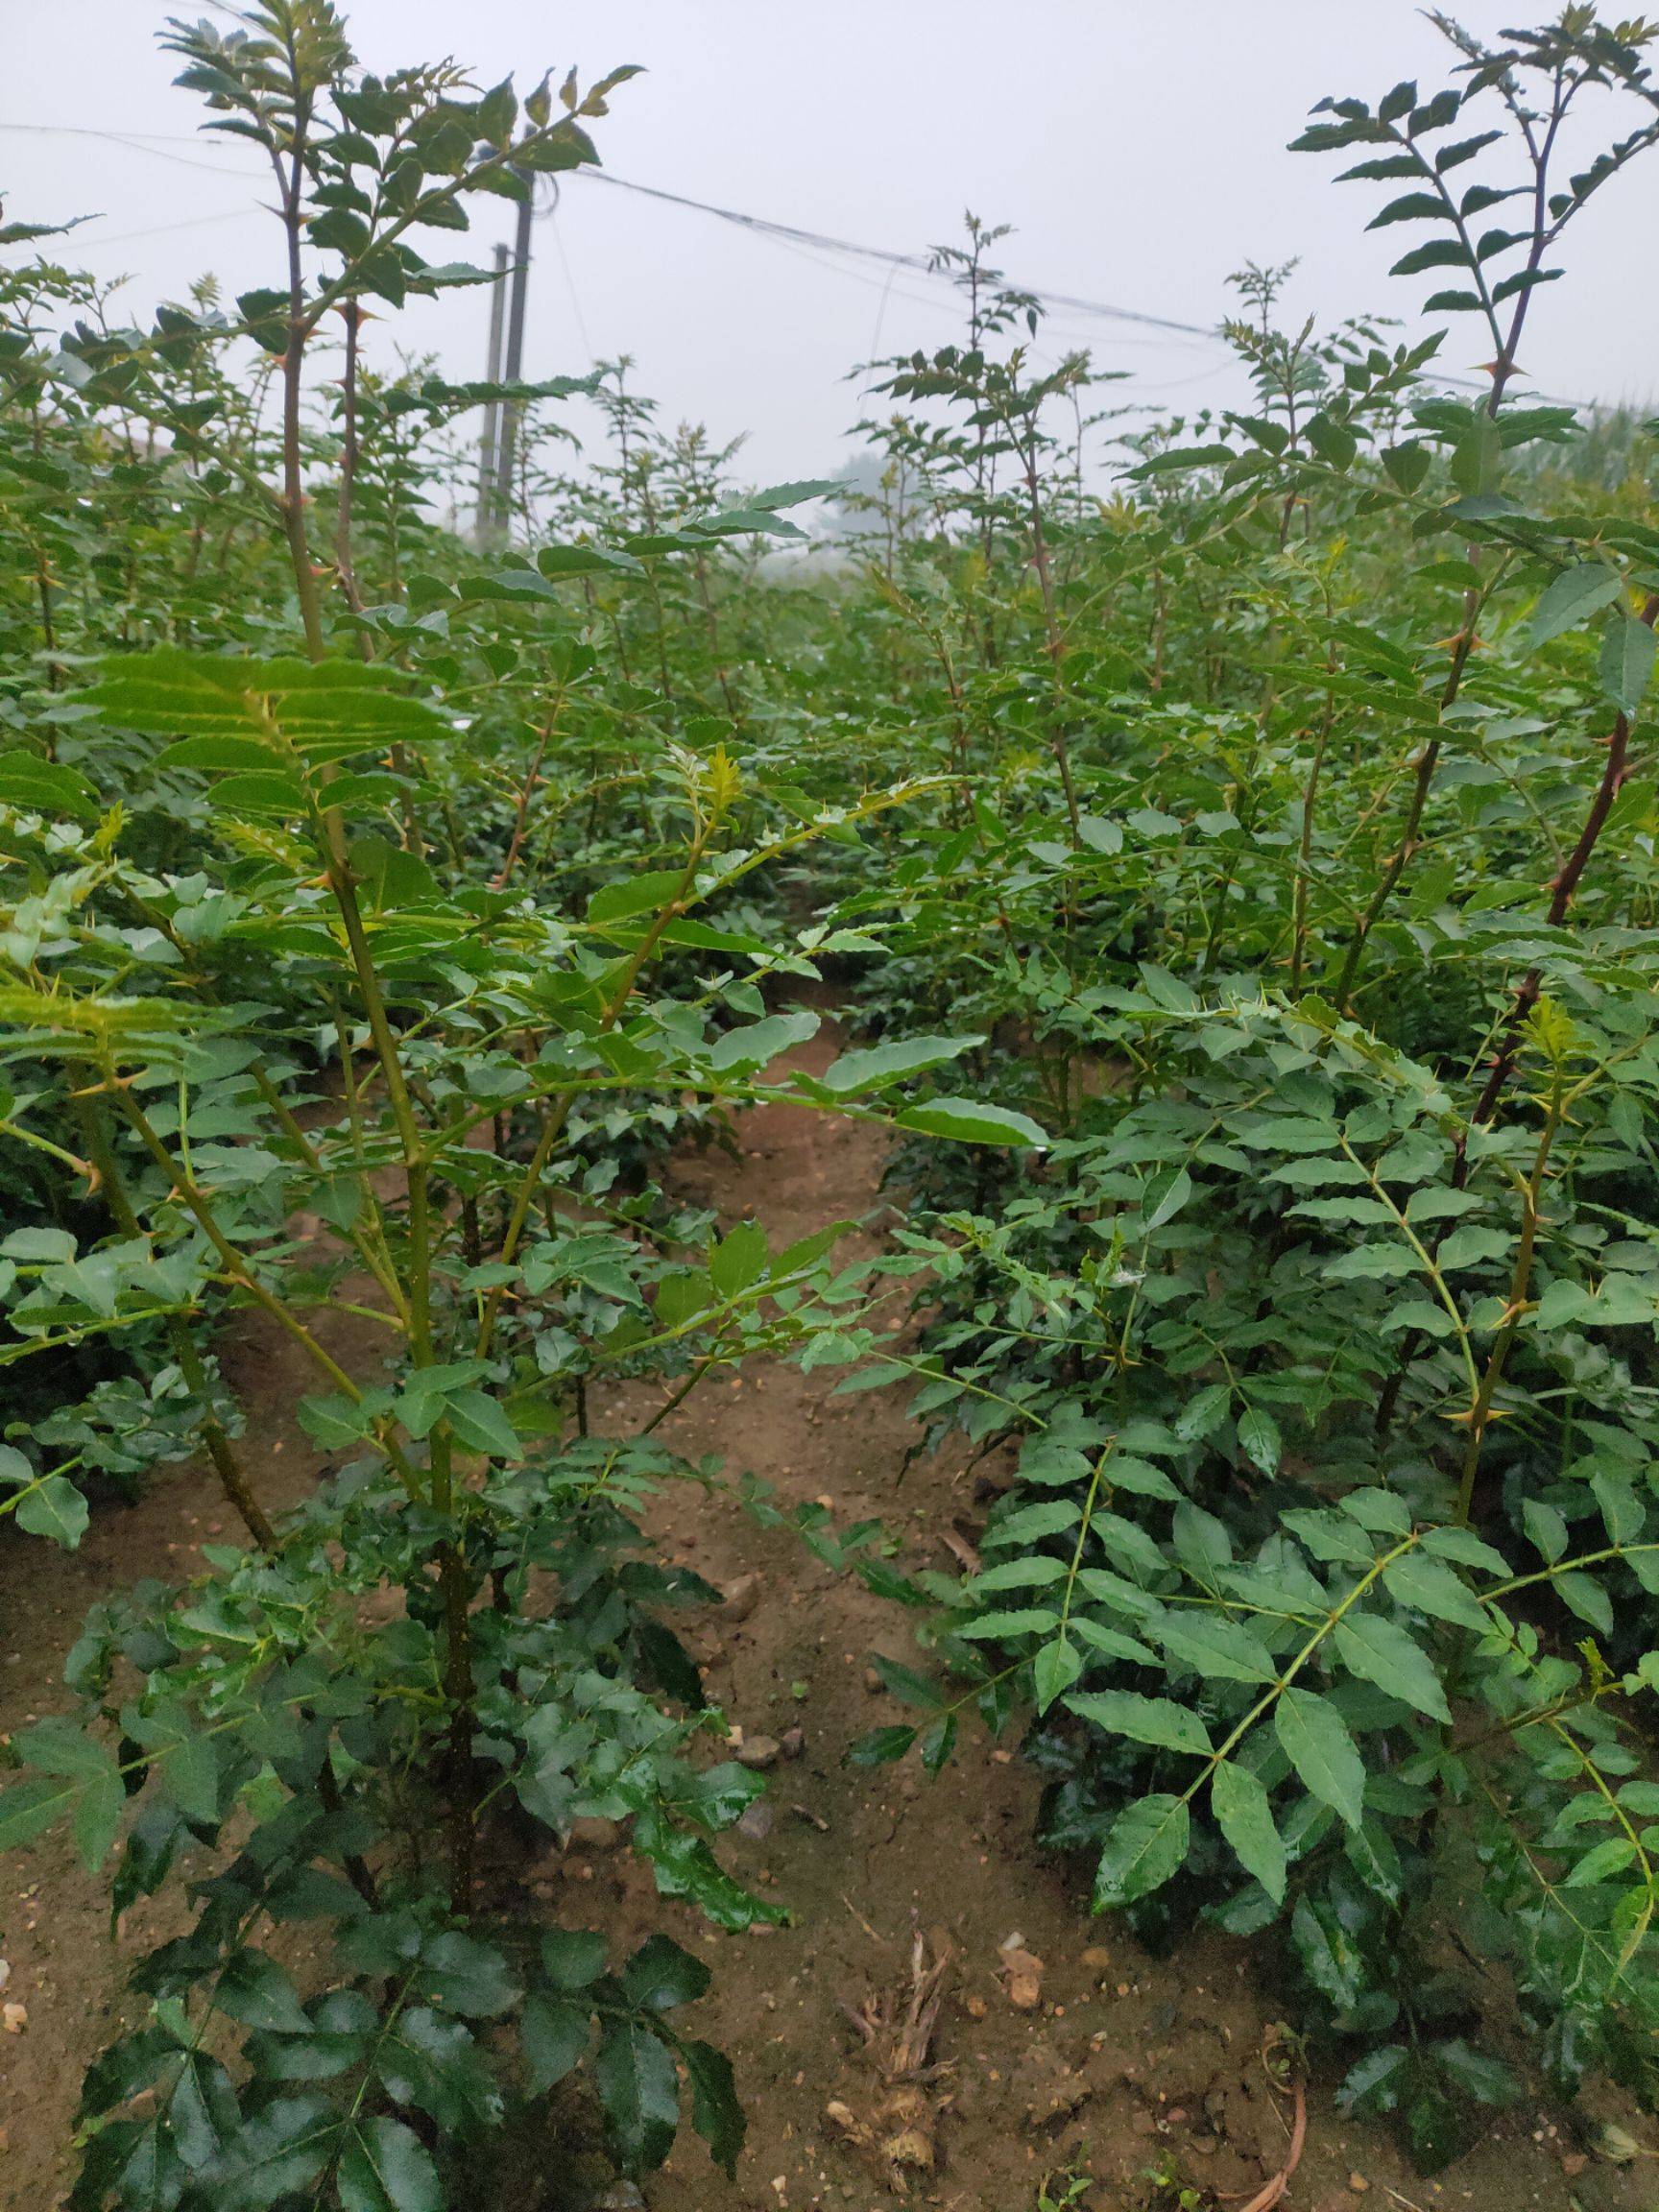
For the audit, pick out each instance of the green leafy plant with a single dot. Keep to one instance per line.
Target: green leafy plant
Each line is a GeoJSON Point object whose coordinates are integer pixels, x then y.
{"type": "Point", "coordinates": [1325, 1556]}
{"type": "Point", "coordinates": [1231, 845]}
{"type": "Point", "coordinates": [343, 1010]}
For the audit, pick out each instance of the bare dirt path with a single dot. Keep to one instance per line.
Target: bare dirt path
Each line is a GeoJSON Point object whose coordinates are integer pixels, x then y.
{"type": "Point", "coordinates": [1121, 2065]}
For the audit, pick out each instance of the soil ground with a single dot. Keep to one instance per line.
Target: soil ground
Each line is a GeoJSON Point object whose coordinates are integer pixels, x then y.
{"type": "Point", "coordinates": [1123, 2066]}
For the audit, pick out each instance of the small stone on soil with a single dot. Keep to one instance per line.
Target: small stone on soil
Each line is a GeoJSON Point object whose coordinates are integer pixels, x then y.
{"type": "Point", "coordinates": [1022, 1971]}
{"type": "Point", "coordinates": [590, 1831]}
{"type": "Point", "coordinates": [740, 1596]}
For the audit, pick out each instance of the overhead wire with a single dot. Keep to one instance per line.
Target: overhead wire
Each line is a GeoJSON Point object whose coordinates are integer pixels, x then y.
{"type": "Point", "coordinates": [189, 223]}
{"type": "Point", "coordinates": [150, 142]}
{"type": "Point", "coordinates": [806, 243]}
{"type": "Point", "coordinates": [924, 263]}
{"type": "Point", "coordinates": [927, 265]}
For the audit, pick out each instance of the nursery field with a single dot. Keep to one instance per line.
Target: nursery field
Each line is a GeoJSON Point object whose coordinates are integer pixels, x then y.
{"type": "Point", "coordinates": [829, 1309]}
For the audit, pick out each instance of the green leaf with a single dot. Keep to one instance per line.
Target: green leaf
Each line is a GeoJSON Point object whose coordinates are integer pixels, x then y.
{"type": "Point", "coordinates": [881, 1746]}
{"type": "Point", "coordinates": [53, 1509]}
{"type": "Point", "coordinates": [1047, 1517]}
{"type": "Point", "coordinates": [1148, 1843]}
{"type": "Point", "coordinates": [1478, 2074]}
{"type": "Point", "coordinates": [185, 1756]}
{"type": "Point", "coordinates": [39, 786]}
{"type": "Point", "coordinates": [1383, 1652]}
{"type": "Point", "coordinates": [256, 1991]}
{"type": "Point", "coordinates": [1602, 1863]}
{"type": "Point", "coordinates": [1437, 253]}
{"type": "Point", "coordinates": [28, 1809]}
{"type": "Point", "coordinates": [1315, 1740]}
{"type": "Point", "coordinates": [1407, 465]}
{"type": "Point", "coordinates": [1374, 2085]}
{"type": "Point", "coordinates": [968, 1121]}
{"type": "Point", "coordinates": [877, 1066]}
{"type": "Point", "coordinates": [1466, 1548]}
{"type": "Point", "coordinates": [737, 1259]}
{"type": "Point", "coordinates": [638, 2092]}
{"type": "Point", "coordinates": [1203, 1412]}
{"type": "Point", "coordinates": [1260, 1439]}
{"type": "Point", "coordinates": [572, 1958]}
{"type": "Point", "coordinates": [1429, 1585]}
{"type": "Point", "coordinates": [1472, 1247]}
{"type": "Point", "coordinates": [740, 1052]}
{"type": "Point", "coordinates": [1035, 1573]}
{"type": "Point", "coordinates": [716, 2111]}
{"type": "Point", "coordinates": [1175, 1196]}
{"type": "Point", "coordinates": [1024, 1620]}
{"type": "Point", "coordinates": [96, 1794]}
{"type": "Point", "coordinates": [386, 2168]}
{"type": "Point", "coordinates": [481, 1425]}
{"type": "Point", "coordinates": [553, 2035]}
{"type": "Point", "coordinates": [98, 1810]}
{"type": "Point", "coordinates": [1574, 594]}
{"type": "Point", "coordinates": [1626, 662]}
{"type": "Point", "coordinates": [1053, 1670]}
{"type": "Point", "coordinates": [561, 561]}
{"type": "Point", "coordinates": [1546, 1528]}
{"type": "Point", "coordinates": [906, 1684]}
{"type": "Point", "coordinates": [459, 1974]}
{"type": "Point", "coordinates": [1588, 1598]}
{"type": "Point", "coordinates": [660, 1974]}
{"type": "Point", "coordinates": [1244, 1817]}
{"type": "Point", "coordinates": [1158, 1720]}
{"type": "Point", "coordinates": [1215, 1646]}
{"type": "Point", "coordinates": [799, 489]}
{"type": "Point", "coordinates": [630, 896]}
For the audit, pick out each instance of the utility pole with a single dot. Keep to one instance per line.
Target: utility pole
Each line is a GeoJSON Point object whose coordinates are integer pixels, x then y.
{"type": "Point", "coordinates": [488, 442]}
{"type": "Point", "coordinates": [506, 443]}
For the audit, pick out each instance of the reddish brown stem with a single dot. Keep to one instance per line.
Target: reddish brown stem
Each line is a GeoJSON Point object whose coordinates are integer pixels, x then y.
{"type": "Point", "coordinates": [1563, 889]}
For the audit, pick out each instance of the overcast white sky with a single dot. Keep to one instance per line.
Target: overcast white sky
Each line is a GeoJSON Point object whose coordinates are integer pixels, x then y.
{"type": "Point", "coordinates": [1137, 146]}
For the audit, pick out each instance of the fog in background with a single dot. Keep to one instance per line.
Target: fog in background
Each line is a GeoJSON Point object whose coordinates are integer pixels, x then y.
{"type": "Point", "coordinates": [1137, 150]}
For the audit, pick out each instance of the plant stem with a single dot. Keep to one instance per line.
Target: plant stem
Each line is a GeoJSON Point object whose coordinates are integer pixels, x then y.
{"type": "Point", "coordinates": [232, 1478]}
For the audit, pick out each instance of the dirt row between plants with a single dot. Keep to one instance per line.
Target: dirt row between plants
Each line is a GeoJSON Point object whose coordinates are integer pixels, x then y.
{"type": "Point", "coordinates": [1053, 2044]}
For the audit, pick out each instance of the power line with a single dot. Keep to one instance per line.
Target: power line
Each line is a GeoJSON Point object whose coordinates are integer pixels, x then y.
{"type": "Point", "coordinates": [190, 222]}
{"type": "Point", "coordinates": [923, 262]}
{"type": "Point", "coordinates": [150, 142]}
{"type": "Point", "coordinates": [793, 234]}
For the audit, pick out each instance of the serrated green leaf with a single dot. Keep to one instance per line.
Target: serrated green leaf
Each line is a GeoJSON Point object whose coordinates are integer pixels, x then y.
{"type": "Point", "coordinates": [1383, 1652]}
{"type": "Point", "coordinates": [1315, 1740]}
{"type": "Point", "coordinates": [1157, 1720]}
{"type": "Point", "coordinates": [1244, 1817]}
{"type": "Point", "coordinates": [387, 2168]}
{"type": "Point", "coordinates": [1148, 1843]}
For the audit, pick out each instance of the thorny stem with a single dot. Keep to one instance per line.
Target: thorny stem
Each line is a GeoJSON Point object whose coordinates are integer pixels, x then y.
{"type": "Point", "coordinates": [235, 1264]}
{"type": "Point", "coordinates": [1563, 888]}
{"type": "Point", "coordinates": [1055, 640]}
{"type": "Point", "coordinates": [1428, 760]}
{"type": "Point", "coordinates": [232, 1477]}
{"type": "Point", "coordinates": [552, 1127]}
{"type": "Point", "coordinates": [1305, 842]}
{"type": "Point", "coordinates": [299, 325]}
{"type": "Point", "coordinates": [1516, 1306]}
